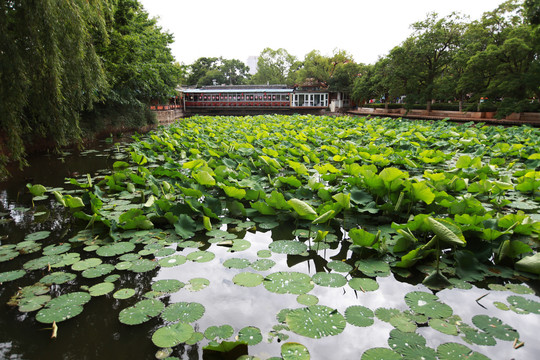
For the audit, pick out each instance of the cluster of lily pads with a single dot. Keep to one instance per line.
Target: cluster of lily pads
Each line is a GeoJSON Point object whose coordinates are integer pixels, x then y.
{"type": "Point", "coordinates": [451, 204]}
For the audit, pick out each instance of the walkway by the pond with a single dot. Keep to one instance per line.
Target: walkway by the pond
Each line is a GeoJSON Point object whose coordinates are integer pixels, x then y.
{"type": "Point", "coordinates": [532, 119]}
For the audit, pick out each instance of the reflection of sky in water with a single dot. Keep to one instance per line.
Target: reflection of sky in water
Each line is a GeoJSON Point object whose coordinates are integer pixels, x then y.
{"type": "Point", "coordinates": [227, 303]}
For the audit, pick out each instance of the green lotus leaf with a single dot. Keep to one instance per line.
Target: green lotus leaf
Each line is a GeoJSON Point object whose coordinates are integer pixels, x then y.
{"type": "Point", "coordinates": [427, 304]}
{"type": "Point", "coordinates": [239, 245]}
{"type": "Point", "coordinates": [204, 178]}
{"type": "Point", "coordinates": [143, 265]}
{"type": "Point", "coordinates": [33, 303]}
{"type": "Point", "coordinates": [339, 266]}
{"type": "Point", "coordinates": [495, 327]}
{"type": "Point", "coordinates": [294, 351]}
{"type": "Point", "coordinates": [86, 264]}
{"type": "Point", "coordinates": [385, 314]}
{"type": "Point", "coordinates": [201, 256]}
{"type": "Point", "coordinates": [172, 335]}
{"type": "Point", "coordinates": [519, 289]}
{"type": "Point", "coordinates": [289, 247]}
{"type": "Point", "coordinates": [173, 260]}
{"type": "Point", "coordinates": [194, 339]}
{"type": "Point", "coordinates": [400, 341]}
{"type": "Point", "coordinates": [141, 312]}
{"type": "Point", "coordinates": [452, 351]}
{"type": "Point", "coordinates": [379, 353]}
{"type": "Point", "coordinates": [419, 352]}
{"type": "Point", "coordinates": [115, 249]}
{"type": "Point", "coordinates": [248, 279]}
{"type": "Point", "coordinates": [42, 262]}
{"type": "Point", "coordinates": [264, 253]}
{"type": "Point", "coordinates": [315, 321]}
{"type": "Point", "coordinates": [403, 322]}
{"type": "Point", "coordinates": [123, 294]}
{"type": "Point", "coordinates": [101, 289]}
{"type": "Point", "coordinates": [288, 283]}
{"type": "Point", "coordinates": [222, 332]}
{"type": "Point", "coordinates": [363, 284]}
{"type": "Point", "coordinates": [129, 257]}
{"type": "Point", "coordinates": [329, 279]}
{"type": "Point", "coordinates": [54, 249]}
{"type": "Point", "coordinates": [263, 264]}
{"type": "Point", "coordinates": [447, 326]}
{"type": "Point", "coordinates": [186, 312]}
{"type": "Point", "coordinates": [100, 270]}
{"type": "Point", "coordinates": [36, 289]}
{"type": "Point", "coordinates": [63, 307]}
{"type": "Point", "coordinates": [164, 252]}
{"type": "Point", "coordinates": [358, 315]}
{"type": "Point", "coordinates": [373, 267]}
{"type": "Point", "coordinates": [58, 278]}
{"type": "Point", "coordinates": [185, 227]}
{"type": "Point", "coordinates": [303, 209]}
{"type": "Point", "coordinates": [11, 275]}
{"type": "Point", "coordinates": [473, 336]}
{"type": "Point", "coordinates": [525, 305]}
{"type": "Point", "coordinates": [168, 286]}
{"type": "Point", "coordinates": [529, 264]}
{"type": "Point", "coordinates": [36, 189]}
{"type": "Point", "coordinates": [66, 259]}
{"type": "Point", "coordinates": [7, 254]}
{"type": "Point", "coordinates": [111, 278]}
{"type": "Point", "coordinates": [40, 235]}
{"type": "Point", "coordinates": [123, 265]}
{"type": "Point", "coordinates": [250, 335]}
{"type": "Point", "coordinates": [197, 284]}
{"type": "Point", "coordinates": [307, 299]}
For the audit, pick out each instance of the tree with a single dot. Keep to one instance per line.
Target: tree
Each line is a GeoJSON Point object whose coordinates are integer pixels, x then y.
{"type": "Point", "coordinates": [315, 66]}
{"type": "Point", "coordinates": [343, 72]}
{"type": "Point", "coordinates": [273, 67]}
{"type": "Point", "coordinates": [207, 71]}
{"type": "Point", "coordinates": [200, 67]}
{"type": "Point", "coordinates": [50, 70]}
{"type": "Point", "coordinates": [234, 71]}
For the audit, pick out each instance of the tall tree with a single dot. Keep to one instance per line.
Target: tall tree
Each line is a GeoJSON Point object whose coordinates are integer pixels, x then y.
{"type": "Point", "coordinates": [273, 67]}
{"type": "Point", "coordinates": [200, 67]}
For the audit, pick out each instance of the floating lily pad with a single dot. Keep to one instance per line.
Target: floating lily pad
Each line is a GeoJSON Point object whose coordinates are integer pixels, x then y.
{"type": "Point", "coordinates": [263, 264]}
{"type": "Point", "coordinates": [363, 284]}
{"type": "Point", "coordinates": [495, 327]}
{"type": "Point", "coordinates": [123, 265]}
{"type": "Point", "coordinates": [111, 278]}
{"type": "Point", "coordinates": [315, 321]}
{"type": "Point", "coordinates": [63, 307]}
{"type": "Point", "coordinates": [40, 235]}
{"type": "Point", "coordinates": [100, 270]}
{"type": "Point", "coordinates": [427, 304]}
{"type": "Point", "coordinates": [329, 279]}
{"type": "Point", "coordinates": [399, 340]}
{"type": "Point", "coordinates": [264, 253]}
{"type": "Point", "coordinates": [248, 279]}
{"type": "Point", "coordinates": [197, 284]}
{"type": "Point", "coordinates": [453, 351]}
{"type": "Point", "coordinates": [168, 286]}
{"type": "Point", "coordinates": [525, 305]}
{"type": "Point", "coordinates": [56, 249]}
{"type": "Point", "coordinates": [124, 294]}
{"type": "Point", "coordinates": [11, 275]}
{"type": "Point", "coordinates": [30, 246]}
{"type": "Point", "coordinates": [373, 267]}
{"type": "Point", "coordinates": [143, 265]}
{"type": "Point", "coordinates": [129, 257]}
{"type": "Point", "coordinates": [236, 263]}
{"type": "Point", "coordinates": [115, 249]}
{"type": "Point", "coordinates": [183, 311]}
{"type": "Point", "coordinates": [250, 335]}
{"type": "Point", "coordinates": [222, 332]}
{"type": "Point", "coordinates": [307, 299]}
{"type": "Point", "coordinates": [201, 256]}
{"type": "Point", "coordinates": [473, 336]}
{"type": "Point", "coordinates": [33, 303]}
{"type": "Point", "coordinates": [42, 262]}
{"type": "Point", "coordinates": [289, 247]}
{"type": "Point", "coordinates": [239, 245]}
{"type": "Point", "coordinates": [288, 283]}
{"type": "Point", "coordinates": [194, 339]}
{"type": "Point", "coordinates": [379, 353]}
{"type": "Point", "coordinates": [164, 252]}
{"type": "Point", "coordinates": [358, 315]}
{"type": "Point", "coordinates": [141, 312]}
{"type": "Point", "coordinates": [339, 266]}
{"type": "Point", "coordinates": [101, 289]}
{"type": "Point", "coordinates": [8, 253]}
{"type": "Point", "coordinates": [403, 322]}
{"type": "Point", "coordinates": [58, 277]}
{"type": "Point", "coordinates": [172, 335]}
{"type": "Point", "coordinates": [294, 351]}
{"type": "Point", "coordinates": [385, 314]}
{"type": "Point", "coordinates": [446, 326]}
{"type": "Point", "coordinates": [86, 264]}
{"type": "Point", "coordinates": [173, 260]}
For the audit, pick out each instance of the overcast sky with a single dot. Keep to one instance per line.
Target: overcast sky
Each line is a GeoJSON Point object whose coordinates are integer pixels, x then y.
{"type": "Point", "coordinates": [237, 29]}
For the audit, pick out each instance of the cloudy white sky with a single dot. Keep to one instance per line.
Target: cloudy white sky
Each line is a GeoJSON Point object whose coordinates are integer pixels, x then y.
{"type": "Point", "coordinates": [237, 29]}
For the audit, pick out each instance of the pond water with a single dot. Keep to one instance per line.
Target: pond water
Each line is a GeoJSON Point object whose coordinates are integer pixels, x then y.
{"type": "Point", "coordinates": [97, 332]}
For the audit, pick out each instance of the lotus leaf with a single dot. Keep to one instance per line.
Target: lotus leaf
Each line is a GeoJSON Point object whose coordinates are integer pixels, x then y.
{"type": "Point", "coordinates": [400, 341]}
{"type": "Point", "coordinates": [63, 307]}
{"type": "Point", "coordinates": [124, 294]}
{"type": "Point", "coordinates": [307, 299]}
{"type": "Point", "coordinates": [172, 335]}
{"type": "Point", "coordinates": [183, 311]}
{"type": "Point", "coordinates": [315, 321]}
{"type": "Point", "coordinates": [339, 266]}
{"type": "Point", "coordinates": [56, 249]}
{"type": "Point", "coordinates": [124, 265]}
{"type": "Point", "coordinates": [201, 256]}
{"type": "Point", "coordinates": [358, 315]}
{"type": "Point", "coordinates": [195, 338]}
{"type": "Point", "coordinates": [141, 312]}
{"type": "Point", "coordinates": [263, 264]}
{"type": "Point", "coordinates": [495, 327]}
{"type": "Point", "coordinates": [363, 284]}
{"type": "Point", "coordinates": [168, 286]}
{"type": "Point", "coordinates": [373, 267]}
{"type": "Point", "coordinates": [264, 253]}
{"type": "Point", "coordinates": [248, 279]}
{"type": "Point", "coordinates": [101, 289]}
{"type": "Point", "coordinates": [236, 263]}
{"type": "Point", "coordinates": [97, 271]}
{"type": "Point", "coordinates": [385, 314]}
{"type": "Point", "coordinates": [379, 353]}
{"type": "Point", "coordinates": [288, 283]}
{"type": "Point", "coordinates": [530, 264]}
{"type": "Point", "coordinates": [303, 209]}
{"type": "Point", "coordinates": [403, 322]}
{"type": "Point", "coordinates": [197, 284]}
{"type": "Point", "coordinates": [40, 235]}
{"type": "Point", "coordinates": [86, 264]}
{"type": "Point", "coordinates": [143, 265]}
{"type": "Point", "coordinates": [427, 304]}
{"type": "Point", "coordinates": [329, 279]}
{"type": "Point", "coordinates": [115, 249]}
{"type": "Point", "coordinates": [11, 275]}
{"type": "Point", "coordinates": [453, 351]}
{"type": "Point", "coordinates": [111, 278]}
{"type": "Point", "coordinates": [294, 351]}
{"type": "Point", "coordinates": [222, 332]}
{"type": "Point", "coordinates": [446, 326]}
{"type": "Point", "coordinates": [250, 335]}
{"type": "Point", "coordinates": [290, 247]}
{"type": "Point", "coordinates": [59, 277]}
{"type": "Point", "coordinates": [522, 304]}
{"type": "Point", "coordinates": [164, 252]}
{"type": "Point", "coordinates": [473, 336]}
{"type": "Point", "coordinates": [7, 253]}
{"type": "Point", "coordinates": [173, 260]}
{"type": "Point", "coordinates": [29, 247]}
{"type": "Point", "coordinates": [33, 303]}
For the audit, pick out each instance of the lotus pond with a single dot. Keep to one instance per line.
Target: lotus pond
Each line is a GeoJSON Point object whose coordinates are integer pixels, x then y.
{"type": "Point", "coordinates": [278, 237]}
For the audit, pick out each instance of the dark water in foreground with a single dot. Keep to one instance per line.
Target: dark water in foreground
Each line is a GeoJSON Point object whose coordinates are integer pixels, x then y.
{"type": "Point", "coordinates": [97, 333]}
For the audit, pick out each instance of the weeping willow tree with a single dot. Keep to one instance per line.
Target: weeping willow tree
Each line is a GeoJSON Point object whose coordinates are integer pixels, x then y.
{"type": "Point", "coordinates": [49, 70]}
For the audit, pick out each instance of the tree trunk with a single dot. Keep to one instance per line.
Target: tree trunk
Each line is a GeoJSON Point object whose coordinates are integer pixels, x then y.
{"type": "Point", "coordinates": [428, 106]}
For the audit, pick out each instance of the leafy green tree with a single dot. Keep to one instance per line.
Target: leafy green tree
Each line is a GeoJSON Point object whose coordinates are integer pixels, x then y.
{"type": "Point", "coordinates": [50, 70]}
{"type": "Point", "coordinates": [200, 67]}
{"type": "Point", "coordinates": [343, 72]}
{"type": "Point", "coordinates": [234, 71]}
{"type": "Point", "coordinates": [532, 11]}
{"type": "Point", "coordinates": [273, 67]}
{"type": "Point", "coordinates": [315, 66]}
